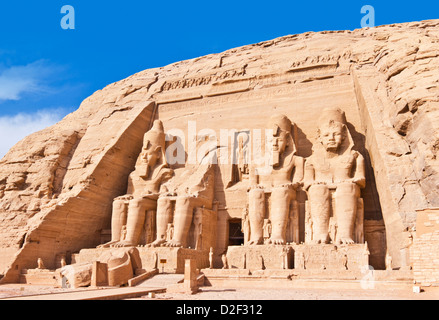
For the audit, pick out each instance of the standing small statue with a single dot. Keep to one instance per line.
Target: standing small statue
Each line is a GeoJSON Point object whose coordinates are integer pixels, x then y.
{"type": "Point", "coordinates": [243, 155]}
{"type": "Point", "coordinates": [40, 264]}
{"type": "Point", "coordinates": [245, 225]}
{"type": "Point", "coordinates": [284, 258]}
{"type": "Point", "coordinates": [267, 230]}
{"type": "Point", "coordinates": [261, 260]}
{"type": "Point", "coordinates": [225, 262]}
{"type": "Point", "coordinates": [170, 232]}
{"type": "Point", "coordinates": [123, 233]}
{"type": "Point", "coordinates": [156, 261]}
{"type": "Point", "coordinates": [388, 261]}
{"type": "Point", "coordinates": [302, 261]}
{"type": "Point", "coordinates": [244, 261]}
{"type": "Point", "coordinates": [344, 261]}
{"type": "Point", "coordinates": [211, 258]}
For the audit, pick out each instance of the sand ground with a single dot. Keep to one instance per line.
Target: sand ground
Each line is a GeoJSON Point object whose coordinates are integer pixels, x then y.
{"type": "Point", "coordinates": [222, 293]}
{"type": "Point", "coordinates": [210, 293]}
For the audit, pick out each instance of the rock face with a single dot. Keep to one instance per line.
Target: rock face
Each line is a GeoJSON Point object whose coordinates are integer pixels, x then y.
{"type": "Point", "coordinates": [57, 186]}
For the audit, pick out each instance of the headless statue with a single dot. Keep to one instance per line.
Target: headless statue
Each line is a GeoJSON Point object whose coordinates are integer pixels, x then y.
{"type": "Point", "coordinates": [279, 182]}
{"type": "Point", "coordinates": [336, 171]}
{"type": "Point", "coordinates": [143, 190]}
{"type": "Point", "coordinates": [194, 188]}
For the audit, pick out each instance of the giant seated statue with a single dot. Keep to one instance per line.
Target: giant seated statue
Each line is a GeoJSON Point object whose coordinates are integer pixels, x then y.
{"type": "Point", "coordinates": [334, 177]}
{"type": "Point", "coordinates": [188, 197]}
{"type": "Point", "coordinates": [151, 171]}
{"type": "Point", "coordinates": [278, 186]}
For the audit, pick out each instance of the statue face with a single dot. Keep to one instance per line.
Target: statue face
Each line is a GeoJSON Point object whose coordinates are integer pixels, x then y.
{"type": "Point", "coordinates": [332, 136]}
{"type": "Point", "coordinates": [280, 142]}
{"type": "Point", "coordinates": [151, 154]}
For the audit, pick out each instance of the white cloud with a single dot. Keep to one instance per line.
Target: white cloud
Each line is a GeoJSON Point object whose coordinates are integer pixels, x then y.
{"type": "Point", "coordinates": [15, 128]}
{"type": "Point", "coordinates": [18, 80]}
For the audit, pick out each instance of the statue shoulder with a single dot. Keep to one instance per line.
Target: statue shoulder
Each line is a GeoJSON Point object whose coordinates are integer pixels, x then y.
{"type": "Point", "coordinates": [357, 155]}
{"type": "Point", "coordinates": [165, 173]}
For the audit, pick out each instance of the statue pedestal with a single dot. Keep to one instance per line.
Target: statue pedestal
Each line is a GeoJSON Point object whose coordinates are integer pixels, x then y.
{"type": "Point", "coordinates": [331, 257]}
{"type": "Point", "coordinates": [167, 260]}
{"type": "Point", "coordinates": [260, 257]}
{"type": "Point", "coordinates": [301, 257]}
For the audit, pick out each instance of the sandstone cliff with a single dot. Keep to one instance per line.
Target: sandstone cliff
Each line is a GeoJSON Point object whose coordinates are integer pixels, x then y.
{"type": "Point", "coordinates": [57, 185]}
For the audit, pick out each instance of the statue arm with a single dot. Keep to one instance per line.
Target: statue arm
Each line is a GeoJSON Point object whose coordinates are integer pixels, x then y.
{"type": "Point", "coordinates": [253, 177]}
{"type": "Point", "coordinates": [299, 164]}
{"type": "Point", "coordinates": [309, 174]}
{"type": "Point", "coordinates": [360, 176]}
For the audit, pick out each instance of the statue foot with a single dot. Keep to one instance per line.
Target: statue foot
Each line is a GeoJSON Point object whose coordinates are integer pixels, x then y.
{"type": "Point", "coordinates": [346, 241]}
{"type": "Point", "coordinates": [123, 244]}
{"type": "Point", "coordinates": [157, 243]}
{"type": "Point", "coordinates": [255, 242]}
{"type": "Point", "coordinates": [106, 245]}
{"type": "Point", "coordinates": [173, 243]}
{"type": "Point", "coordinates": [276, 241]}
{"type": "Point", "coordinates": [321, 240]}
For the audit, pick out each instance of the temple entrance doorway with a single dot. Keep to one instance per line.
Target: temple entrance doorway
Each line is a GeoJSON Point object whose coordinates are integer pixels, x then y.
{"type": "Point", "coordinates": [236, 237]}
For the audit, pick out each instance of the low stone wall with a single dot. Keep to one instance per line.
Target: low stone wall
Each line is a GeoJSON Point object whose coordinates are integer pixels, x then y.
{"type": "Point", "coordinates": [331, 257]}
{"type": "Point", "coordinates": [168, 260]}
{"type": "Point", "coordinates": [425, 249]}
{"type": "Point", "coordinates": [299, 257]}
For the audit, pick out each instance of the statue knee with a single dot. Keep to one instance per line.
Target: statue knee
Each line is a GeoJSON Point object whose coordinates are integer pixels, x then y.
{"type": "Point", "coordinates": [256, 194]}
{"type": "Point", "coordinates": [136, 203]}
{"type": "Point", "coordinates": [118, 205]}
{"type": "Point", "coordinates": [183, 203]}
{"type": "Point", "coordinates": [164, 202]}
{"type": "Point", "coordinates": [348, 188]}
{"type": "Point", "coordinates": [318, 191]}
{"type": "Point", "coordinates": [283, 193]}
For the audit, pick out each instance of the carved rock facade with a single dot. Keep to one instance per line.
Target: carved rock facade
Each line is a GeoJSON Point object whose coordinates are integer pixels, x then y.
{"type": "Point", "coordinates": [57, 186]}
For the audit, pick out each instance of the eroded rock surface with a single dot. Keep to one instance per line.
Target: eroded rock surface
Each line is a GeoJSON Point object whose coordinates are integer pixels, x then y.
{"type": "Point", "coordinates": [57, 185]}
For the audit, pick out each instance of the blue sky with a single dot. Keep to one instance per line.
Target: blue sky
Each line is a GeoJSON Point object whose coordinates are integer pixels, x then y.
{"type": "Point", "coordinates": [45, 71]}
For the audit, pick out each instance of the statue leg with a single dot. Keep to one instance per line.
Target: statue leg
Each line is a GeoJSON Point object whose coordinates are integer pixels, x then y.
{"type": "Point", "coordinates": [256, 214]}
{"type": "Point", "coordinates": [182, 221]}
{"type": "Point", "coordinates": [280, 211]}
{"type": "Point", "coordinates": [118, 220]}
{"type": "Point", "coordinates": [164, 216]}
{"type": "Point", "coordinates": [184, 212]}
{"type": "Point", "coordinates": [320, 205]}
{"type": "Point", "coordinates": [136, 218]}
{"type": "Point", "coordinates": [346, 197]}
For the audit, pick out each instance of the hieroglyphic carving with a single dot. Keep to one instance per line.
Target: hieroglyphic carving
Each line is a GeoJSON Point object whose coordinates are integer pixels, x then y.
{"type": "Point", "coordinates": [204, 80]}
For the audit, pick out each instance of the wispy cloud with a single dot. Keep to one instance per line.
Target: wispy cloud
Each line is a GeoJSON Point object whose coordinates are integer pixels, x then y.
{"type": "Point", "coordinates": [15, 81]}
{"type": "Point", "coordinates": [16, 127]}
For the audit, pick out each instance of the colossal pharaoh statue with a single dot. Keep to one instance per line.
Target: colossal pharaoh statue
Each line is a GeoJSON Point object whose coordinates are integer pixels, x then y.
{"type": "Point", "coordinates": [282, 180]}
{"type": "Point", "coordinates": [188, 195]}
{"type": "Point", "coordinates": [143, 190]}
{"type": "Point", "coordinates": [334, 175]}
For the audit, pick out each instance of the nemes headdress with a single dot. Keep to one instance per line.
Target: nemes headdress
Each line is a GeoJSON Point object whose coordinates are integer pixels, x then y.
{"type": "Point", "coordinates": [335, 116]}
{"type": "Point", "coordinates": [155, 137]}
{"type": "Point", "coordinates": [281, 122]}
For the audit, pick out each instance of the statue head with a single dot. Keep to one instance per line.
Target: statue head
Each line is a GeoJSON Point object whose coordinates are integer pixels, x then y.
{"type": "Point", "coordinates": [282, 136]}
{"type": "Point", "coordinates": [153, 150]}
{"type": "Point", "coordinates": [332, 135]}
{"type": "Point", "coordinates": [332, 130]}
